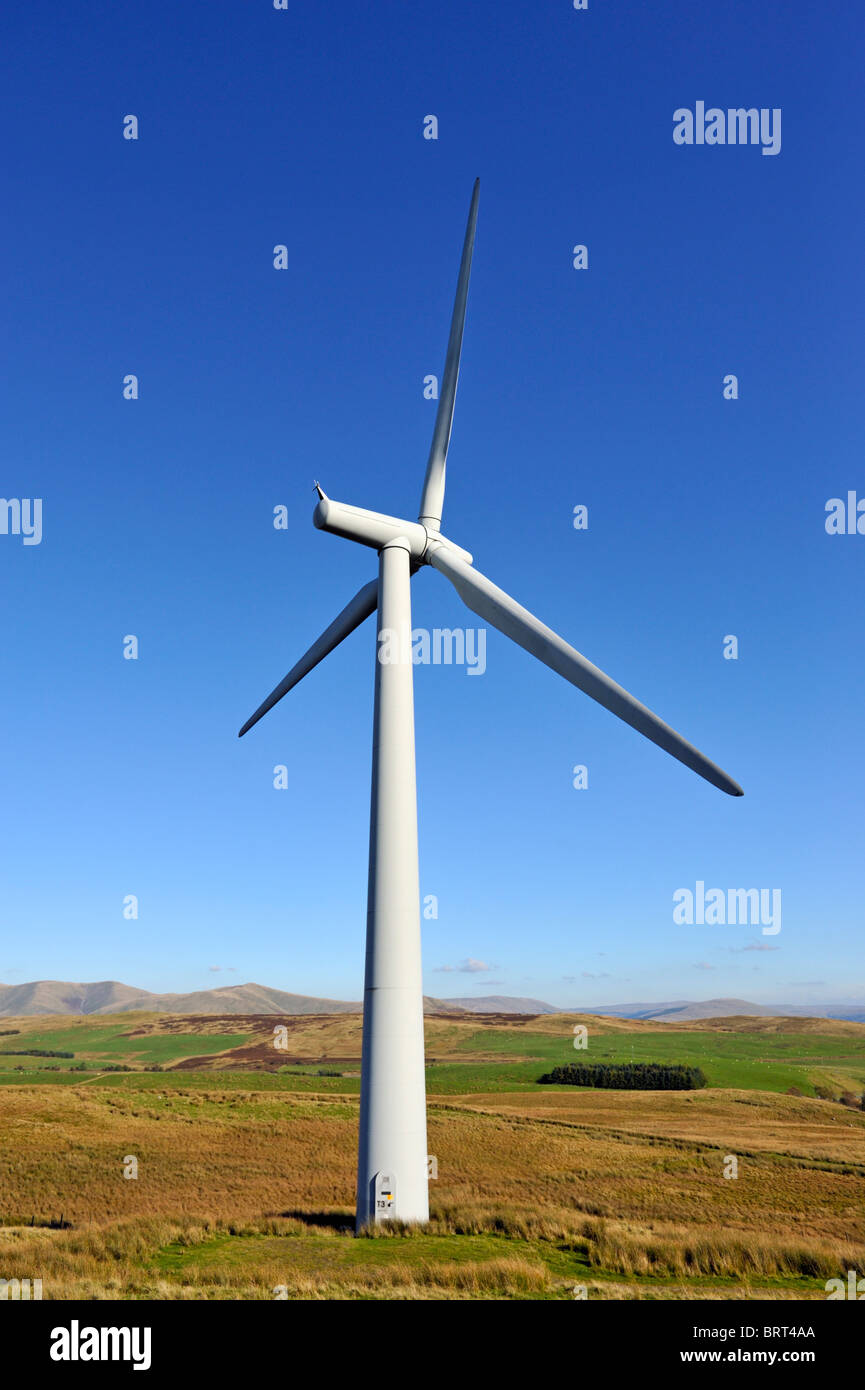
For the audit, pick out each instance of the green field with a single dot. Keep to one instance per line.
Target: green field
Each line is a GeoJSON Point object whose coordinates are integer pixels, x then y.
{"type": "Point", "coordinates": [469, 1058]}
{"type": "Point", "coordinates": [745, 1060]}
{"type": "Point", "coordinates": [535, 1269]}
{"type": "Point", "coordinates": [108, 1043]}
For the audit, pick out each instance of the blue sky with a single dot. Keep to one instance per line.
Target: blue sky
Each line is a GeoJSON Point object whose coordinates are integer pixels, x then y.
{"type": "Point", "coordinates": [600, 387]}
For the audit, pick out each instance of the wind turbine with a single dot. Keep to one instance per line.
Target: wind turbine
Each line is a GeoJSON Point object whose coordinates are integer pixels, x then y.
{"type": "Point", "coordinates": [392, 1151]}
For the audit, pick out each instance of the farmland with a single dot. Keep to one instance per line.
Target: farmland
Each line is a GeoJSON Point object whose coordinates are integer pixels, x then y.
{"type": "Point", "coordinates": [245, 1159]}
{"type": "Point", "coordinates": [483, 1052]}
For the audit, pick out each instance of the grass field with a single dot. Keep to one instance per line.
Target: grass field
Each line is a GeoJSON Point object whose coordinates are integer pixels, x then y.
{"type": "Point", "coordinates": [492, 1054]}
{"type": "Point", "coordinates": [246, 1162]}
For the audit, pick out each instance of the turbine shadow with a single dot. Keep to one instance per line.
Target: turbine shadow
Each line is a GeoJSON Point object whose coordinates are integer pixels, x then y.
{"type": "Point", "coordinates": [337, 1220]}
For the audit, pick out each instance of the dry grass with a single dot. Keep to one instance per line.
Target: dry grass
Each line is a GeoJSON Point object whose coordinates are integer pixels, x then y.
{"type": "Point", "coordinates": [715, 1251]}
{"type": "Point", "coordinates": [612, 1190]}
{"type": "Point", "coordinates": [738, 1122]}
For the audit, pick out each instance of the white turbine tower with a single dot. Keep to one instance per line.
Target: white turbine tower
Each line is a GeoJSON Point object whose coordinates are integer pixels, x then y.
{"type": "Point", "coordinates": [392, 1152]}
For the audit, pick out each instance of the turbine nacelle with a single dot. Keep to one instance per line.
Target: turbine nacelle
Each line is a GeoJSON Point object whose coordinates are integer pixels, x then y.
{"type": "Point", "coordinates": [376, 529]}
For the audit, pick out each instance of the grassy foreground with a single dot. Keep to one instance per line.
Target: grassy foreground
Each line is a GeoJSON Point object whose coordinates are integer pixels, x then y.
{"type": "Point", "coordinates": [246, 1173]}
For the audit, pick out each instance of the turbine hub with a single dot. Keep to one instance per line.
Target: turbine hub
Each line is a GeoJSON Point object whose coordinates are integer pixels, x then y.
{"type": "Point", "coordinates": [377, 529]}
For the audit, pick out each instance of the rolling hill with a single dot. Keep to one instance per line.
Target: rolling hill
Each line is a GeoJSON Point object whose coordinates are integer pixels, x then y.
{"type": "Point", "coordinates": [112, 997]}
{"type": "Point", "coordinates": [686, 1010]}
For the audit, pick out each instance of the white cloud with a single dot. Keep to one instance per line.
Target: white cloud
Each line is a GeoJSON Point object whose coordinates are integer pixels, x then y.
{"type": "Point", "coordinates": [469, 966]}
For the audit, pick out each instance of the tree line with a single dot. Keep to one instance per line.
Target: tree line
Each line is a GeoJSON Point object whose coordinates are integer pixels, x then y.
{"type": "Point", "coordinates": [33, 1052]}
{"type": "Point", "coordinates": [627, 1076]}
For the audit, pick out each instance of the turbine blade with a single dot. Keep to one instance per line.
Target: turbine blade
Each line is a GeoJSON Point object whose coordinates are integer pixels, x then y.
{"type": "Point", "coordinates": [498, 608]}
{"type": "Point", "coordinates": [364, 602]}
{"type": "Point", "coordinates": [434, 482]}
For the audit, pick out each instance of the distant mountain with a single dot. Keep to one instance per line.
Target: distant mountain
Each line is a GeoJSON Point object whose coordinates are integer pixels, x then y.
{"type": "Point", "coordinates": [61, 997]}
{"type": "Point", "coordinates": [679, 1010]}
{"type": "Point", "coordinates": [502, 1004]}
{"type": "Point", "coordinates": [112, 997]}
